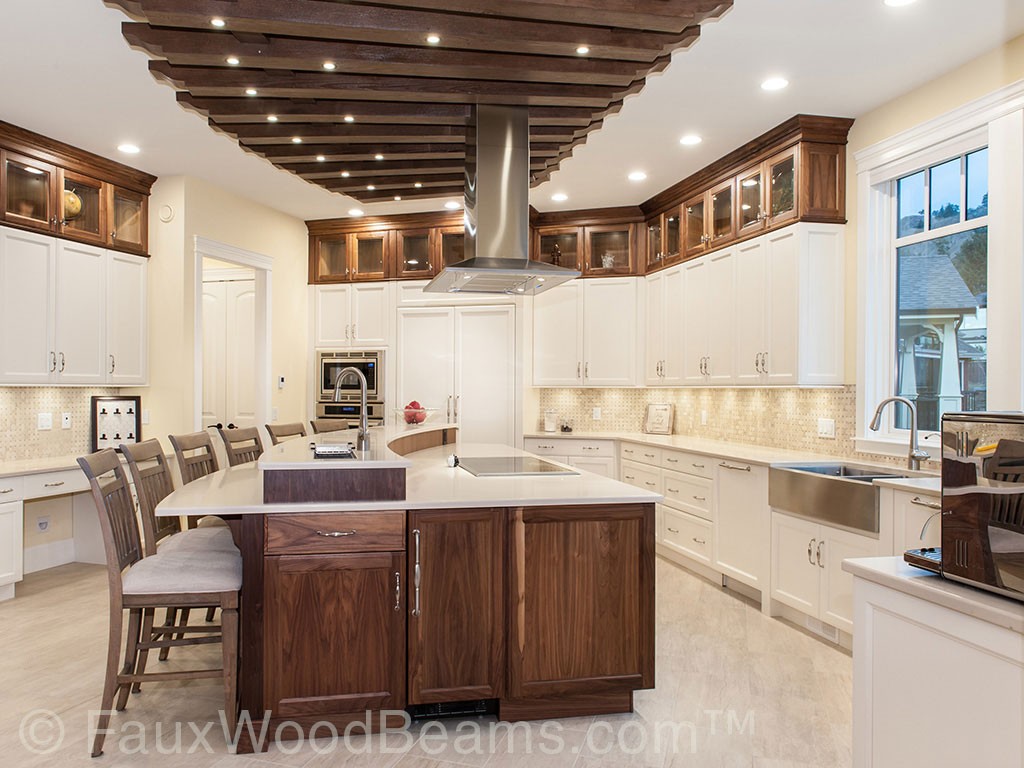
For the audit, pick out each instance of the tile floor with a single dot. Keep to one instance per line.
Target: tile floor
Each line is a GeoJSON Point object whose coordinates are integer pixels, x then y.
{"type": "Point", "coordinates": [733, 689]}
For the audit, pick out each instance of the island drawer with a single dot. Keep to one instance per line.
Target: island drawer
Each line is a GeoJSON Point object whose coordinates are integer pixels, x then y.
{"type": "Point", "coordinates": [641, 476]}
{"type": "Point", "coordinates": [690, 463]}
{"type": "Point", "coordinates": [333, 532]}
{"type": "Point", "coordinates": [687, 492]}
{"type": "Point", "coordinates": [645, 454]}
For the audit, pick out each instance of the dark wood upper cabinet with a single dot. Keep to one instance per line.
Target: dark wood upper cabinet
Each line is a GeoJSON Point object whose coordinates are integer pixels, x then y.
{"type": "Point", "coordinates": [655, 254]}
{"type": "Point", "coordinates": [457, 612]}
{"type": "Point", "coordinates": [750, 213]}
{"type": "Point", "coordinates": [328, 259]}
{"type": "Point", "coordinates": [721, 212]}
{"type": "Point", "coordinates": [52, 187]}
{"type": "Point", "coordinates": [781, 172]}
{"type": "Point", "coordinates": [370, 255]}
{"type": "Point", "coordinates": [450, 243]}
{"type": "Point", "coordinates": [561, 246]}
{"type": "Point", "coordinates": [415, 255]}
{"type": "Point", "coordinates": [595, 249]}
{"type": "Point", "coordinates": [695, 226]}
{"type": "Point", "coordinates": [609, 250]}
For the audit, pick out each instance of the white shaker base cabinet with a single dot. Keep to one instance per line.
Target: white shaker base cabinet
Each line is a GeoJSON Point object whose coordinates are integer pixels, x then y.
{"type": "Point", "coordinates": [742, 523]}
{"type": "Point", "coordinates": [11, 531]}
{"type": "Point", "coordinates": [461, 360]}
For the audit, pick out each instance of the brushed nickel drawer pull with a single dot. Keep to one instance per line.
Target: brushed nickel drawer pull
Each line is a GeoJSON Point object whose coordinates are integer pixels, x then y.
{"type": "Point", "coordinates": [333, 534]}
{"type": "Point", "coordinates": [922, 503]}
{"type": "Point", "coordinates": [724, 465]}
{"type": "Point", "coordinates": [820, 564]}
{"type": "Point", "coordinates": [6, 490]}
{"type": "Point", "coordinates": [700, 541]}
{"type": "Point", "coordinates": [673, 530]}
{"type": "Point", "coordinates": [698, 466]}
{"type": "Point", "coordinates": [671, 461]}
{"type": "Point", "coordinates": [58, 484]}
{"type": "Point", "coordinates": [701, 498]}
{"type": "Point", "coordinates": [630, 477]}
{"type": "Point", "coordinates": [649, 455]}
{"type": "Point", "coordinates": [671, 490]}
{"type": "Point", "coordinates": [648, 482]}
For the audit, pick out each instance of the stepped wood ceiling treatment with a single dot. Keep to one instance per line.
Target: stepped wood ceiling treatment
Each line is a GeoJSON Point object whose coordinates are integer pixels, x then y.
{"type": "Point", "coordinates": [393, 94]}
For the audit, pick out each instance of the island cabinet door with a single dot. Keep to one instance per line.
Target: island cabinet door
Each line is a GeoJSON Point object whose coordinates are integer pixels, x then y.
{"type": "Point", "coordinates": [582, 600]}
{"type": "Point", "coordinates": [334, 633]}
{"type": "Point", "coordinates": [456, 605]}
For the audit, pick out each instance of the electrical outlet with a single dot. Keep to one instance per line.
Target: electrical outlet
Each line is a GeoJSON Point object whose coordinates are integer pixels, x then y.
{"type": "Point", "coordinates": [44, 421]}
{"type": "Point", "coordinates": [827, 428]}
{"type": "Point", "coordinates": [703, 418]}
{"type": "Point", "coordinates": [145, 415]}
{"type": "Point", "coordinates": [597, 414]}
{"type": "Point", "coordinates": [43, 523]}
{"type": "Point", "coordinates": [65, 421]}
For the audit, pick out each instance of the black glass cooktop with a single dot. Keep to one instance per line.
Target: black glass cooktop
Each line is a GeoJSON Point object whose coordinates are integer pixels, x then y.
{"type": "Point", "coordinates": [497, 466]}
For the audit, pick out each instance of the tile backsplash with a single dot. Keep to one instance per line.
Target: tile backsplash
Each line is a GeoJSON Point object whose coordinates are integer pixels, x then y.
{"type": "Point", "coordinates": [776, 417]}
{"type": "Point", "coordinates": [19, 407]}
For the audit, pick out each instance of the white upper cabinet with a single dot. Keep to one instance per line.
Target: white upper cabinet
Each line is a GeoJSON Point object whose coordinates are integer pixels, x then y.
{"type": "Point", "coordinates": [585, 334]}
{"type": "Point", "coordinates": [127, 328]}
{"type": "Point", "coordinates": [696, 308]}
{"type": "Point", "coordinates": [751, 298]}
{"type": "Point", "coordinates": [351, 315]}
{"type": "Point", "coordinates": [721, 327]}
{"type": "Point", "coordinates": [663, 357]}
{"type": "Point", "coordinates": [80, 314]}
{"type": "Point", "coordinates": [27, 262]}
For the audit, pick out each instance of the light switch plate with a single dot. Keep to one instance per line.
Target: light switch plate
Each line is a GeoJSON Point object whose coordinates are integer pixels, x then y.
{"type": "Point", "coordinates": [703, 418]}
{"type": "Point", "coordinates": [597, 414]}
{"type": "Point", "coordinates": [44, 421]}
{"type": "Point", "coordinates": [145, 415]}
{"type": "Point", "coordinates": [827, 428]}
{"type": "Point", "coordinates": [65, 421]}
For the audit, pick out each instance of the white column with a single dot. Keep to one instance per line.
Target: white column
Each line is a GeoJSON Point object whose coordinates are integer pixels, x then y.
{"type": "Point", "coordinates": [950, 398]}
{"type": "Point", "coordinates": [1005, 265]}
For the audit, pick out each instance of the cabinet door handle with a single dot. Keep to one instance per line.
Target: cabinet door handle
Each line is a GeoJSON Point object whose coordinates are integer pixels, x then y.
{"type": "Point", "coordinates": [764, 362]}
{"type": "Point", "coordinates": [331, 534]}
{"type": "Point", "coordinates": [416, 572]}
{"type": "Point", "coordinates": [810, 551]}
{"type": "Point", "coordinates": [113, 234]}
{"type": "Point", "coordinates": [700, 541]}
{"type": "Point", "coordinates": [630, 477]}
{"type": "Point", "coordinates": [53, 362]}
{"type": "Point", "coordinates": [672, 530]}
{"type": "Point", "coordinates": [820, 564]}
{"type": "Point", "coordinates": [725, 465]}
{"type": "Point", "coordinates": [449, 408]}
{"type": "Point", "coordinates": [353, 331]}
{"type": "Point", "coordinates": [457, 398]}
{"type": "Point", "coordinates": [701, 498]}
{"type": "Point", "coordinates": [579, 366]}
{"type": "Point", "coordinates": [62, 362]}
{"type": "Point", "coordinates": [113, 364]}
{"type": "Point", "coordinates": [757, 362]}
{"type": "Point", "coordinates": [398, 591]}
{"type": "Point", "coordinates": [671, 461]}
{"type": "Point", "coordinates": [57, 484]}
{"type": "Point", "coordinates": [586, 370]}
{"type": "Point", "coordinates": [922, 503]}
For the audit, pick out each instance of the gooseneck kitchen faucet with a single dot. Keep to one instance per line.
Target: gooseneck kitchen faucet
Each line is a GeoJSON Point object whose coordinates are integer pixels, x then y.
{"type": "Point", "coordinates": [363, 425]}
{"type": "Point", "coordinates": [915, 456]}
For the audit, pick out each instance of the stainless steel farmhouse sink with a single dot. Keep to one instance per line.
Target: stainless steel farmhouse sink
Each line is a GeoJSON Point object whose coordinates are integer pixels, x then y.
{"type": "Point", "coordinates": [838, 494]}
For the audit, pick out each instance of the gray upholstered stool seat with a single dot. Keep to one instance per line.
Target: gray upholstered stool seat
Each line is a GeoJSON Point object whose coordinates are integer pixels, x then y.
{"type": "Point", "coordinates": [184, 571]}
{"type": "Point", "coordinates": [209, 539]}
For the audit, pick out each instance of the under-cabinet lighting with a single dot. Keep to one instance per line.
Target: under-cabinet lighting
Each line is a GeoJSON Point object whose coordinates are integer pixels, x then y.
{"type": "Point", "coordinates": [233, 61]}
{"type": "Point", "coordinates": [217, 22]}
{"type": "Point", "coordinates": [774, 84]}
{"type": "Point", "coordinates": [355, 211]}
{"type": "Point", "coordinates": [690, 140]}
{"type": "Point", "coordinates": [637, 176]}
{"type": "Point", "coordinates": [33, 171]}
{"type": "Point", "coordinates": [398, 198]}
{"type": "Point", "coordinates": [128, 149]}
{"type": "Point", "coordinates": [251, 91]}
{"type": "Point", "coordinates": [559, 197]}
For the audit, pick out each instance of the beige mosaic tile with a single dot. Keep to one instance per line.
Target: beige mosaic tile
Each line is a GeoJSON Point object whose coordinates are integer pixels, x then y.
{"type": "Point", "coordinates": [19, 407]}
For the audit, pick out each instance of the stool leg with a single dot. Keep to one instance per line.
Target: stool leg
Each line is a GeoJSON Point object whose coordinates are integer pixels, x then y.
{"type": "Point", "coordinates": [131, 656]}
{"type": "Point", "coordinates": [147, 636]}
{"type": "Point", "coordinates": [229, 651]}
{"type": "Point", "coordinates": [210, 612]}
{"type": "Point", "coordinates": [109, 679]}
{"type": "Point", "coordinates": [170, 620]}
{"type": "Point", "coordinates": [183, 618]}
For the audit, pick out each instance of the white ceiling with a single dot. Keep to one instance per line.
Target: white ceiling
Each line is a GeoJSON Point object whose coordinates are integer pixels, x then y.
{"type": "Point", "coordinates": [66, 72]}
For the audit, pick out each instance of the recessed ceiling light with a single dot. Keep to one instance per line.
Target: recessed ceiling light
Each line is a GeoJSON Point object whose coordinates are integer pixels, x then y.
{"type": "Point", "coordinates": [774, 84]}
{"type": "Point", "coordinates": [690, 140]}
{"type": "Point", "coordinates": [320, 158]}
{"type": "Point", "coordinates": [217, 22]}
{"type": "Point", "coordinates": [345, 174]}
{"type": "Point", "coordinates": [583, 50]}
{"type": "Point", "coordinates": [355, 211]}
{"type": "Point", "coordinates": [296, 140]}
{"type": "Point", "coordinates": [433, 38]}
{"type": "Point", "coordinates": [637, 176]}
{"type": "Point", "coordinates": [451, 205]}
{"type": "Point", "coordinates": [397, 198]}
{"type": "Point", "coordinates": [898, 3]}
{"type": "Point", "coordinates": [378, 157]}
{"type": "Point", "coordinates": [128, 149]}
{"type": "Point", "coordinates": [349, 119]}
{"type": "Point", "coordinates": [329, 65]}
{"type": "Point", "coordinates": [370, 187]}
{"type": "Point", "coordinates": [559, 197]}
{"type": "Point", "coordinates": [251, 91]}
{"type": "Point", "coordinates": [271, 118]}
{"type": "Point", "coordinates": [232, 60]}
{"type": "Point", "coordinates": [418, 185]}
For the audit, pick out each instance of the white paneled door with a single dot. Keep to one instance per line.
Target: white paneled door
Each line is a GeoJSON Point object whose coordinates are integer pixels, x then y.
{"type": "Point", "coordinates": [426, 345]}
{"type": "Point", "coordinates": [229, 353]}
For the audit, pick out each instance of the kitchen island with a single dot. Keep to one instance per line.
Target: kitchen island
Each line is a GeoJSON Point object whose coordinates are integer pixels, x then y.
{"type": "Point", "coordinates": [529, 596]}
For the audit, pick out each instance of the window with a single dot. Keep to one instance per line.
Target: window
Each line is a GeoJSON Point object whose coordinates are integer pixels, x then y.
{"type": "Point", "coordinates": [941, 293]}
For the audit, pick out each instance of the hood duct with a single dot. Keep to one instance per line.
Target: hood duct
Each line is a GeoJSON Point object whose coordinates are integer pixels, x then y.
{"type": "Point", "coordinates": [497, 211]}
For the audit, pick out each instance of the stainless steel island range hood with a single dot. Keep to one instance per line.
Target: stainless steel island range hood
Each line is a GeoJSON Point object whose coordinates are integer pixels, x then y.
{"type": "Point", "coordinates": [497, 212]}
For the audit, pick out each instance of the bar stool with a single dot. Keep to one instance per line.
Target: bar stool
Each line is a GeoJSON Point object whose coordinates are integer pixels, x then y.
{"type": "Point", "coordinates": [279, 432]}
{"type": "Point", "coordinates": [141, 585]}
{"type": "Point", "coordinates": [243, 444]}
{"type": "Point", "coordinates": [328, 425]}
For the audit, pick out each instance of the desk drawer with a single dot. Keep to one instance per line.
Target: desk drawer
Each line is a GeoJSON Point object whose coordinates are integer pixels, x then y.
{"type": "Point", "coordinates": [641, 476]}
{"type": "Point", "coordinates": [45, 484]}
{"type": "Point", "coordinates": [690, 463]}
{"type": "Point", "coordinates": [333, 532]}
{"type": "Point", "coordinates": [688, 492]}
{"type": "Point", "coordinates": [12, 488]}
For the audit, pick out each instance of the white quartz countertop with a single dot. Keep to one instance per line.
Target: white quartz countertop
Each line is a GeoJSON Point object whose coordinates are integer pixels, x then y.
{"type": "Point", "coordinates": [298, 452]}
{"type": "Point", "coordinates": [430, 484]}
{"type": "Point", "coordinates": [38, 465]}
{"type": "Point", "coordinates": [894, 573]}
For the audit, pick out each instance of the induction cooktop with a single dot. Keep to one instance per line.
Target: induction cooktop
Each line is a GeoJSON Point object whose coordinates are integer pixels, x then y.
{"type": "Point", "coordinates": [498, 466]}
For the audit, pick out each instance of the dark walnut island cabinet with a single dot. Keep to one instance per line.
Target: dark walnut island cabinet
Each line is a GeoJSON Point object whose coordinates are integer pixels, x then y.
{"type": "Point", "coordinates": [534, 596]}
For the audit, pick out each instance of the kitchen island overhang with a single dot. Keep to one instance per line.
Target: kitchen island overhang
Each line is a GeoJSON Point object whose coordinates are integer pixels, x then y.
{"type": "Point", "coordinates": [535, 594]}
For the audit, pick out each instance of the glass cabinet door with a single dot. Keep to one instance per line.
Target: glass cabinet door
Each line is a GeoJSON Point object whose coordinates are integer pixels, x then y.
{"type": "Point", "coordinates": [127, 214]}
{"type": "Point", "coordinates": [672, 228]}
{"type": "Point", "coordinates": [371, 252]}
{"type": "Point", "coordinates": [782, 189]}
{"type": "Point", "coordinates": [608, 250]}
{"type": "Point", "coordinates": [330, 258]}
{"type": "Point", "coordinates": [750, 217]}
{"type": "Point", "coordinates": [695, 237]}
{"type": "Point", "coordinates": [414, 253]}
{"type": "Point", "coordinates": [654, 252]}
{"type": "Point", "coordinates": [721, 213]}
{"type": "Point", "coordinates": [560, 247]}
{"type": "Point", "coordinates": [83, 208]}
{"type": "Point", "coordinates": [29, 185]}
{"type": "Point", "coordinates": [452, 245]}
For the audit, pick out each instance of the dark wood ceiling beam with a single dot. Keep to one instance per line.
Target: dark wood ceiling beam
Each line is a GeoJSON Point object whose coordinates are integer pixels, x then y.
{"type": "Point", "coordinates": [366, 168]}
{"type": "Point", "coordinates": [413, 194]}
{"type": "Point", "coordinates": [210, 49]}
{"type": "Point", "coordinates": [354, 133]}
{"type": "Point", "coordinates": [290, 153]}
{"type": "Point", "coordinates": [220, 82]}
{"type": "Point", "coordinates": [385, 183]}
{"type": "Point", "coordinates": [339, 21]}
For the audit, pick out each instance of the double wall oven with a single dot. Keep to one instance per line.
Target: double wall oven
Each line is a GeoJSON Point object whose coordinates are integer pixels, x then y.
{"type": "Point", "coordinates": [329, 365]}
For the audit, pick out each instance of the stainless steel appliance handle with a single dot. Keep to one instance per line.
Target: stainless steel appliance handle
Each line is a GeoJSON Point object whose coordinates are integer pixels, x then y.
{"type": "Point", "coordinates": [335, 534]}
{"type": "Point", "coordinates": [416, 572]}
{"type": "Point", "coordinates": [922, 503]}
{"type": "Point", "coordinates": [820, 545]}
{"type": "Point", "coordinates": [726, 465]}
{"type": "Point", "coordinates": [810, 550]}
{"type": "Point", "coordinates": [398, 591]}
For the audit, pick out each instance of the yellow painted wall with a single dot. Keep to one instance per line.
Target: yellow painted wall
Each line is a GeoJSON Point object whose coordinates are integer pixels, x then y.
{"type": "Point", "coordinates": [989, 72]}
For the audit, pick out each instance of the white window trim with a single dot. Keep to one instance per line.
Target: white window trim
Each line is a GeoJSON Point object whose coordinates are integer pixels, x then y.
{"type": "Point", "coordinates": [996, 121]}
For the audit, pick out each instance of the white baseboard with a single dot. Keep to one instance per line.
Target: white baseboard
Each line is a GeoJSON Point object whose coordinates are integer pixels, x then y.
{"type": "Point", "coordinates": [49, 555]}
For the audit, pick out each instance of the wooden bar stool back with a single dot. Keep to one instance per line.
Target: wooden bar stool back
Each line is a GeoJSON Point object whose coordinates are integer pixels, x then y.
{"type": "Point", "coordinates": [243, 445]}
{"type": "Point", "coordinates": [279, 432]}
{"type": "Point", "coordinates": [141, 585]}
{"type": "Point", "coordinates": [201, 459]}
{"type": "Point", "coordinates": [328, 425]}
{"type": "Point", "coordinates": [152, 479]}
